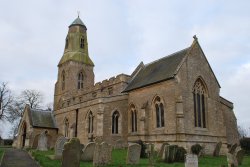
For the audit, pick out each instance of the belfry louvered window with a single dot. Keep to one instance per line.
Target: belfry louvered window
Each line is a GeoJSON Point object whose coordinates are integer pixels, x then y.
{"type": "Point", "coordinates": [80, 80]}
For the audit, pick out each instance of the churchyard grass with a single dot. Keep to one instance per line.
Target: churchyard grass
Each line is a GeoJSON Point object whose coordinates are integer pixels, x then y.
{"type": "Point", "coordinates": [1, 153]}
{"type": "Point", "coordinates": [119, 160]}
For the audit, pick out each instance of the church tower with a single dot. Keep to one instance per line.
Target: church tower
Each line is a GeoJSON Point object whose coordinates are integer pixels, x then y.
{"type": "Point", "coordinates": [75, 69]}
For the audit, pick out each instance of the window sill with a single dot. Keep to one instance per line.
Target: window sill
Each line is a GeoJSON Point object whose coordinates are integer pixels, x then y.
{"type": "Point", "coordinates": [116, 135]}
{"type": "Point", "coordinates": [201, 129]}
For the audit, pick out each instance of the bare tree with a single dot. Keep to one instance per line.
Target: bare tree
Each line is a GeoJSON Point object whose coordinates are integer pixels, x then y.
{"type": "Point", "coordinates": [32, 97]}
{"type": "Point", "coordinates": [242, 131]}
{"type": "Point", "coordinates": [5, 100]}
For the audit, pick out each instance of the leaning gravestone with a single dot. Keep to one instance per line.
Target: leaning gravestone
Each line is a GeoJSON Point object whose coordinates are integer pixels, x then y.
{"type": "Point", "coordinates": [161, 154]}
{"type": "Point", "coordinates": [239, 154]}
{"type": "Point", "coordinates": [102, 154]}
{"type": "Point", "coordinates": [88, 152]}
{"type": "Point", "coordinates": [216, 152]}
{"type": "Point", "coordinates": [231, 160]}
{"type": "Point", "coordinates": [59, 146]}
{"type": "Point", "coordinates": [98, 139]}
{"type": "Point", "coordinates": [133, 154]}
{"type": "Point", "coordinates": [43, 141]}
{"type": "Point", "coordinates": [71, 153]}
{"type": "Point", "coordinates": [191, 160]}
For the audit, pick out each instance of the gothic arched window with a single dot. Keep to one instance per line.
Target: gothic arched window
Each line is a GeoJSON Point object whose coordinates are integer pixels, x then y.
{"type": "Point", "coordinates": [63, 80]}
{"type": "Point", "coordinates": [133, 119]}
{"type": "Point", "coordinates": [66, 127]}
{"type": "Point", "coordinates": [82, 43]}
{"type": "Point", "coordinates": [159, 111]}
{"type": "Point", "coordinates": [80, 80]}
{"type": "Point", "coordinates": [115, 122]}
{"type": "Point", "coordinates": [199, 97]}
{"type": "Point", "coordinates": [90, 121]}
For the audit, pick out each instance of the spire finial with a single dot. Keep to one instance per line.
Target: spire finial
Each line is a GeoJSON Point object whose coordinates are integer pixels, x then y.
{"type": "Point", "coordinates": [78, 13]}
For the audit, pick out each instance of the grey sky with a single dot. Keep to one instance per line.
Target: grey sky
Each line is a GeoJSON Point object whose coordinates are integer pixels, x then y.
{"type": "Point", "coordinates": [123, 33]}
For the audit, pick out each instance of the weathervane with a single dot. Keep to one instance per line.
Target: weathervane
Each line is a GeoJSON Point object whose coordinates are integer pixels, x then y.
{"type": "Point", "coordinates": [78, 13]}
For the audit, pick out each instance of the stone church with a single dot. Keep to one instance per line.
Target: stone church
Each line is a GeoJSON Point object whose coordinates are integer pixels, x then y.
{"type": "Point", "coordinates": [175, 99]}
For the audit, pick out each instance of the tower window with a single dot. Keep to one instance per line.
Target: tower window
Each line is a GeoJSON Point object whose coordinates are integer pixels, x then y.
{"type": "Point", "coordinates": [115, 121]}
{"type": "Point", "coordinates": [82, 43]}
{"type": "Point", "coordinates": [63, 80]}
{"type": "Point", "coordinates": [67, 43]}
{"type": "Point", "coordinates": [199, 97]}
{"type": "Point", "coordinates": [80, 80]}
{"type": "Point", "coordinates": [159, 111]}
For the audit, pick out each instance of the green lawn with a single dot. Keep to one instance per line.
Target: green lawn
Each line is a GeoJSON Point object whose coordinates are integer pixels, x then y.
{"type": "Point", "coordinates": [119, 160]}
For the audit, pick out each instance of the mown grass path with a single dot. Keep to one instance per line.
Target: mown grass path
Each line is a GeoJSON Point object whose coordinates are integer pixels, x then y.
{"type": "Point", "coordinates": [17, 158]}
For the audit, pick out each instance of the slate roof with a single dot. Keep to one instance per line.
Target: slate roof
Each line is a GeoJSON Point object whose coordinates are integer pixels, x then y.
{"type": "Point", "coordinates": [42, 118]}
{"type": "Point", "coordinates": [157, 71]}
{"type": "Point", "coordinates": [77, 21]}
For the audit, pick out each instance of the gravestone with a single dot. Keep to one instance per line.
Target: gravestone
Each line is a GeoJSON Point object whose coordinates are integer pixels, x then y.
{"type": "Point", "coordinates": [233, 148]}
{"type": "Point", "coordinates": [102, 154]}
{"type": "Point", "coordinates": [133, 153]}
{"type": "Point", "coordinates": [161, 154]}
{"type": "Point", "coordinates": [71, 153]}
{"type": "Point", "coordinates": [43, 142]}
{"type": "Point", "coordinates": [98, 139]}
{"type": "Point", "coordinates": [191, 160]}
{"type": "Point", "coordinates": [59, 146]}
{"type": "Point", "coordinates": [88, 152]}
{"type": "Point", "coordinates": [231, 160]}
{"type": "Point", "coordinates": [239, 154]}
{"type": "Point", "coordinates": [120, 144]}
{"type": "Point", "coordinates": [216, 152]}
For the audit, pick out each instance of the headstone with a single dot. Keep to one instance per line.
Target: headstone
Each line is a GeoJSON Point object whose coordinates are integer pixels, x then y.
{"type": "Point", "coordinates": [43, 141]}
{"type": "Point", "coordinates": [120, 144]}
{"type": "Point", "coordinates": [98, 139]}
{"type": "Point", "coordinates": [161, 154]}
{"type": "Point", "coordinates": [239, 154]}
{"type": "Point", "coordinates": [102, 154]}
{"type": "Point", "coordinates": [59, 146]}
{"type": "Point", "coordinates": [170, 153]}
{"type": "Point", "coordinates": [233, 148]}
{"type": "Point", "coordinates": [191, 160]}
{"type": "Point", "coordinates": [88, 152]}
{"type": "Point", "coordinates": [133, 153]}
{"type": "Point", "coordinates": [216, 152]}
{"type": "Point", "coordinates": [231, 160]}
{"type": "Point", "coordinates": [71, 153]}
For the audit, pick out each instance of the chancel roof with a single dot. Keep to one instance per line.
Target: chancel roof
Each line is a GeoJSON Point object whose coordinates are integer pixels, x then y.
{"type": "Point", "coordinates": [157, 71]}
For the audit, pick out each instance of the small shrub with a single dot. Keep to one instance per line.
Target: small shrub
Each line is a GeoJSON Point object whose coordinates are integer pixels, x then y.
{"type": "Point", "coordinates": [180, 154]}
{"type": "Point", "coordinates": [245, 144]}
{"type": "Point", "coordinates": [196, 149]}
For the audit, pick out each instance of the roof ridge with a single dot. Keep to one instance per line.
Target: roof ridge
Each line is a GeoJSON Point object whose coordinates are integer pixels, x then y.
{"type": "Point", "coordinates": [167, 56]}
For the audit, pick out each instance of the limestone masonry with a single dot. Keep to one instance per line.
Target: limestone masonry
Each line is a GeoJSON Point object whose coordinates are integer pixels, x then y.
{"type": "Point", "coordinates": [175, 99]}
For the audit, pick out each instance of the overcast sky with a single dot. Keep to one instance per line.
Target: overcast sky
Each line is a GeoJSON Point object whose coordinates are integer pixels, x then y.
{"type": "Point", "coordinates": [121, 34]}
